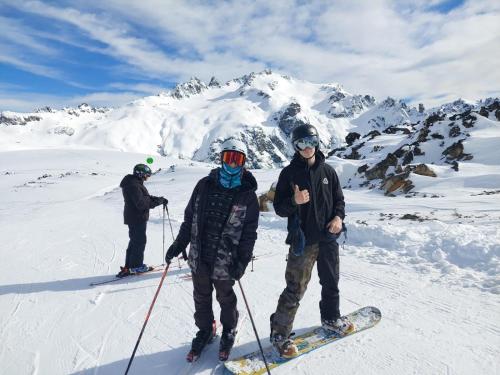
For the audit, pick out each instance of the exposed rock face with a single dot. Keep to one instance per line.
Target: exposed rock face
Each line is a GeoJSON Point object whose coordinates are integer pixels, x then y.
{"type": "Point", "coordinates": [454, 151]}
{"type": "Point", "coordinates": [397, 182]}
{"type": "Point", "coordinates": [455, 131]}
{"type": "Point", "coordinates": [352, 137]}
{"type": "Point", "coordinates": [379, 170]}
{"type": "Point", "coordinates": [395, 130]}
{"type": "Point", "coordinates": [266, 200]}
{"type": "Point", "coordinates": [185, 90]}
{"type": "Point", "coordinates": [423, 170]}
{"type": "Point", "coordinates": [344, 106]}
{"type": "Point", "coordinates": [288, 120]}
{"type": "Point", "coordinates": [17, 120]}
{"type": "Point", "coordinates": [372, 134]}
{"type": "Point", "coordinates": [214, 83]}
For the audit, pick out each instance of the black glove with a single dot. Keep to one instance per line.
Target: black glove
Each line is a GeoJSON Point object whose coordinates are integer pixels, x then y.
{"type": "Point", "coordinates": [164, 201]}
{"type": "Point", "coordinates": [172, 252]}
{"type": "Point", "coordinates": [238, 270]}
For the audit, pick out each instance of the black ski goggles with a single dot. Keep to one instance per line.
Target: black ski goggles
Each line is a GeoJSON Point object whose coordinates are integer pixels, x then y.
{"type": "Point", "coordinates": [306, 142]}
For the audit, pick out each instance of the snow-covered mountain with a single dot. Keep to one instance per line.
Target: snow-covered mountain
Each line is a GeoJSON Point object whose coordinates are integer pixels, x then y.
{"type": "Point", "coordinates": [385, 142]}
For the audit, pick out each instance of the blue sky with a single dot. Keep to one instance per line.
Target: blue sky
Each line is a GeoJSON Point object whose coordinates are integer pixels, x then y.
{"type": "Point", "coordinates": [62, 53]}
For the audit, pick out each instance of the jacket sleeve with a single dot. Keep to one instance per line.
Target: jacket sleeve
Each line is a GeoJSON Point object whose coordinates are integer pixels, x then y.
{"type": "Point", "coordinates": [338, 197]}
{"type": "Point", "coordinates": [283, 203]}
{"type": "Point", "coordinates": [184, 235]}
{"type": "Point", "coordinates": [249, 233]}
{"type": "Point", "coordinates": [140, 200]}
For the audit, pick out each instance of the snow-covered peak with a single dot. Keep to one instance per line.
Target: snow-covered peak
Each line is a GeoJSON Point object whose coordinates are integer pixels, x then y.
{"type": "Point", "coordinates": [187, 89]}
{"type": "Point", "coordinates": [457, 106]}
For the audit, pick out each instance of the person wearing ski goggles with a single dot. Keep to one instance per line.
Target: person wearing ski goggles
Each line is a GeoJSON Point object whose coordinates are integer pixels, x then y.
{"type": "Point", "coordinates": [309, 195]}
{"type": "Point", "coordinates": [307, 142]}
{"type": "Point", "coordinates": [220, 223]}
{"type": "Point", "coordinates": [233, 158]}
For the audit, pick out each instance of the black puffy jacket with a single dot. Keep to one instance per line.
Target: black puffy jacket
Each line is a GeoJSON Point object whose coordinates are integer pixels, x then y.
{"type": "Point", "coordinates": [325, 192]}
{"type": "Point", "coordinates": [137, 200]}
{"type": "Point", "coordinates": [238, 235]}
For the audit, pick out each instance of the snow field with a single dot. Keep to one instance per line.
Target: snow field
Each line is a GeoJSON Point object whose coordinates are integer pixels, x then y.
{"type": "Point", "coordinates": [435, 280]}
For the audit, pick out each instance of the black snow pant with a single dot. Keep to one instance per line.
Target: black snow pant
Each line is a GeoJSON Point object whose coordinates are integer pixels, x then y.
{"type": "Point", "coordinates": [202, 293]}
{"type": "Point", "coordinates": [136, 245]}
{"type": "Point", "coordinates": [297, 276]}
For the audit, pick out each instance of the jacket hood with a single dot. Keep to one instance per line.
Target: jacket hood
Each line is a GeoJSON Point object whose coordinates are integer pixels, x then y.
{"type": "Point", "coordinates": [299, 161]}
{"type": "Point", "coordinates": [248, 181]}
{"type": "Point", "coordinates": [130, 179]}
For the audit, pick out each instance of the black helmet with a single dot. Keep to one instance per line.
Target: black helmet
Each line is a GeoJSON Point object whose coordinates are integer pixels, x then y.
{"type": "Point", "coordinates": [142, 170]}
{"type": "Point", "coordinates": [303, 132]}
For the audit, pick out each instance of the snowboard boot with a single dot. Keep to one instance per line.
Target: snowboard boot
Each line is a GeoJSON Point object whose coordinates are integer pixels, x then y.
{"type": "Point", "coordinates": [203, 337]}
{"type": "Point", "coordinates": [226, 343]}
{"type": "Point", "coordinates": [285, 346]}
{"type": "Point", "coordinates": [124, 271]}
{"type": "Point", "coordinates": [342, 326]}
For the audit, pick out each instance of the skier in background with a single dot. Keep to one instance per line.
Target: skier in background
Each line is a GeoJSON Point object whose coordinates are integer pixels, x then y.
{"type": "Point", "coordinates": [220, 222]}
{"type": "Point", "coordinates": [308, 193]}
{"type": "Point", "coordinates": [138, 202]}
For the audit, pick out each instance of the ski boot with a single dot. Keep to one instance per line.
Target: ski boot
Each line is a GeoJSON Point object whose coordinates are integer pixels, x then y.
{"type": "Point", "coordinates": [203, 337]}
{"type": "Point", "coordinates": [140, 269]}
{"type": "Point", "coordinates": [342, 326]}
{"type": "Point", "coordinates": [124, 271]}
{"type": "Point", "coordinates": [226, 343]}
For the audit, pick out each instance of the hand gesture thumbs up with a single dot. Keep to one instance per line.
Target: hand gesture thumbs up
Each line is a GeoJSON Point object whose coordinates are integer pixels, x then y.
{"type": "Point", "coordinates": [300, 196]}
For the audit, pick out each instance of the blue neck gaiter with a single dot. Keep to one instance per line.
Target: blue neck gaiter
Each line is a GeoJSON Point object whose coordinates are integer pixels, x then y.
{"type": "Point", "coordinates": [230, 177]}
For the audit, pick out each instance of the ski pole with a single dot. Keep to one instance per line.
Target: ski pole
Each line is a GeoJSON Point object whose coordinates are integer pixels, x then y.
{"type": "Point", "coordinates": [147, 318]}
{"type": "Point", "coordinates": [163, 259]}
{"type": "Point", "coordinates": [254, 329]}
{"type": "Point", "coordinates": [172, 231]}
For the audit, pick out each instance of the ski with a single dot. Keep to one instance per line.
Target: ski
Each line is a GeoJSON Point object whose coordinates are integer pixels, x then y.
{"type": "Point", "coordinates": [116, 278]}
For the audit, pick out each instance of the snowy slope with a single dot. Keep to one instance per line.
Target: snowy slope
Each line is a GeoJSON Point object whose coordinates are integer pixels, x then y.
{"type": "Point", "coordinates": [435, 279]}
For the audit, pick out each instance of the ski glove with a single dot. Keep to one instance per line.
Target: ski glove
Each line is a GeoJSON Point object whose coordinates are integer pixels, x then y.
{"type": "Point", "coordinates": [164, 201]}
{"type": "Point", "coordinates": [238, 270]}
{"type": "Point", "coordinates": [172, 252]}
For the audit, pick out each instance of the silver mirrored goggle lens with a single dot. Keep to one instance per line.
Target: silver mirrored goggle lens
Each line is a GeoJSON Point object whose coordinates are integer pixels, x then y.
{"type": "Point", "coordinates": [308, 142]}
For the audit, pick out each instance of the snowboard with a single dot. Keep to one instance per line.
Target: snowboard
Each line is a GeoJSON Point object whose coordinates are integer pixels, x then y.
{"type": "Point", "coordinates": [252, 364]}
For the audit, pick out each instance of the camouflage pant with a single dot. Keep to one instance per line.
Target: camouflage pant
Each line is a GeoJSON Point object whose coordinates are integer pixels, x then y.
{"type": "Point", "coordinates": [298, 274]}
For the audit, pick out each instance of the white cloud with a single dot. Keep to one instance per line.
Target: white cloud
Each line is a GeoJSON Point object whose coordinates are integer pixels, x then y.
{"type": "Point", "coordinates": [397, 48]}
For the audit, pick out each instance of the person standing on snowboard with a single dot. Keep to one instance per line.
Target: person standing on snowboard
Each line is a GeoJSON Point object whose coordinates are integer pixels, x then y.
{"type": "Point", "coordinates": [220, 222]}
{"type": "Point", "coordinates": [138, 202]}
{"type": "Point", "coordinates": [308, 193]}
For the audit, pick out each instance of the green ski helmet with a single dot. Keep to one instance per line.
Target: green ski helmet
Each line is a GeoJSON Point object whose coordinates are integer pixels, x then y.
{"type": "Point", "coordinates": [142, 171]}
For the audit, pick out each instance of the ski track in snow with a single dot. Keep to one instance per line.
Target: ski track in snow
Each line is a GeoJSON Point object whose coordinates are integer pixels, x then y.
{"type": "Point", "coordinates": [441, 308]}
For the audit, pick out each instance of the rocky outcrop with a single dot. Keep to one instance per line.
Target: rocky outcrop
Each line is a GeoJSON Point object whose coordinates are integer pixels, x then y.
{"type": "Point", "coordinates": [214, 83]}
{"type": "Point", "coordinates": [288, 119]}
{"type": "Point", "coordinates": [187, 89]}
{"type": "Point", "coordinates": [422, 169]}
{"type": "Point", "coordinates": [455, 151]}
{"type": "Point", "coordinates": [379, 170]}
{"type": "Point", "coordinates": [351, 138]}
{"type": "Point", "coordinates": [266, 200]}
{"type": "Point", "coordinates": [397, 182]}
{"type": "Point", "coordinates": [17, 119]}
